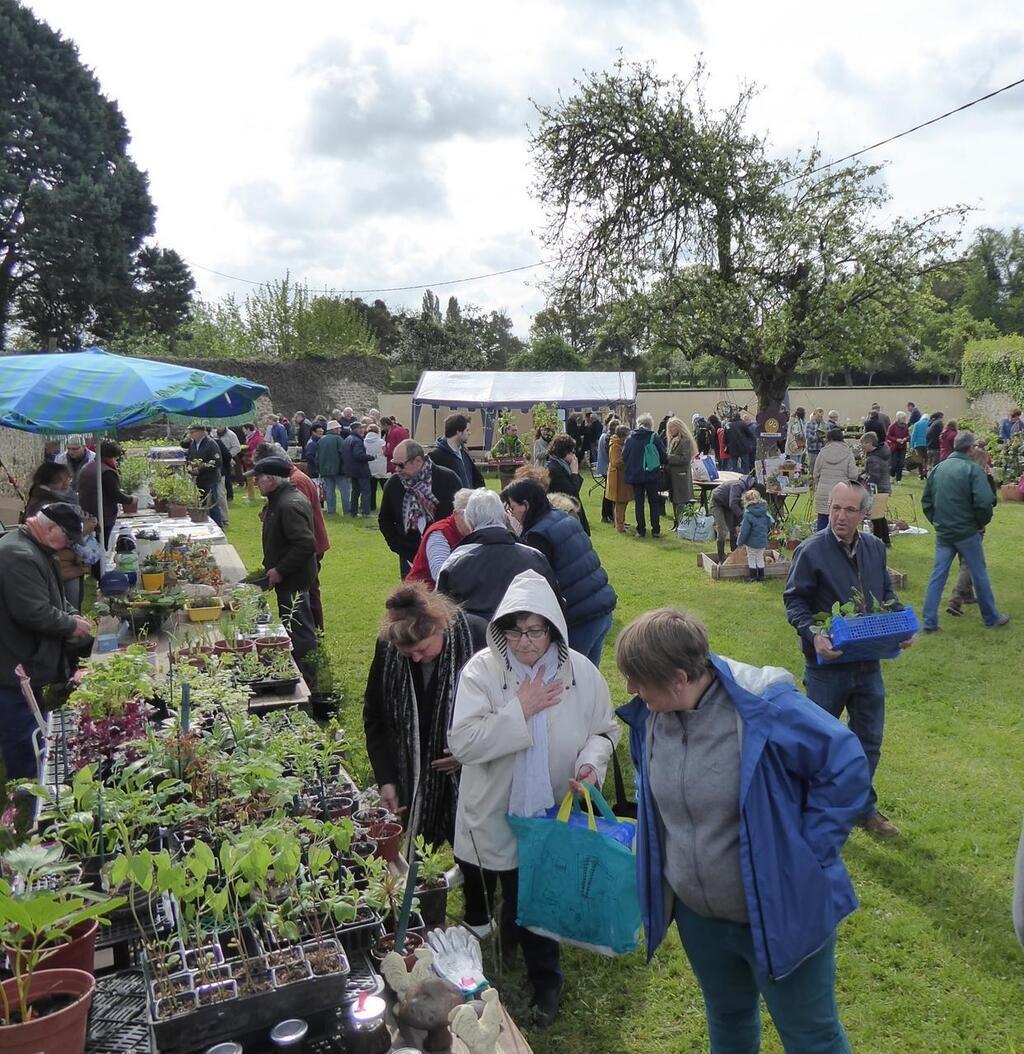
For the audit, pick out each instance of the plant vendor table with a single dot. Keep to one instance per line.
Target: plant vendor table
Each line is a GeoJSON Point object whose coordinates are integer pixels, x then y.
{"type": "Point", "coordinates": [783, 503]}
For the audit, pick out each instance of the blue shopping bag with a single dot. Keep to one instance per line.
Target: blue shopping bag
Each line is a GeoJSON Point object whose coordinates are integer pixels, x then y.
{"type": "Point", "coordinates": [577, 880]}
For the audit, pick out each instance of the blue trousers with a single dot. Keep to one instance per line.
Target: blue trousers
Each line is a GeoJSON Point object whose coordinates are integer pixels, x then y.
{"type": "Point", "coordinates": [588, 637]}
{"type": "Point", "coordinates": [360, 494]}
{"type": "Point", "coordinates": [332, 486]}
{"type": "Point", "coordinates": [857, 688]}
{"type": "Point", "coordinates": [652, 492]}
{"type": "Point", "coordinates": [17, 724]}
{"type": "Point", "coordinates": [802, 1005]}
{"type": "Point", "coordinates": [974, 556]}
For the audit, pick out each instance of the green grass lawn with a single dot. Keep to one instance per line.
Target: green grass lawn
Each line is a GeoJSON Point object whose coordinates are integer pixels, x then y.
{"type": "Point", "coordinates": [929, 962]}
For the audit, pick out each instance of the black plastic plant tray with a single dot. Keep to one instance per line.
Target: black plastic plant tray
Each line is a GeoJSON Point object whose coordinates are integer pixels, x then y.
{"type": "Point", "coordinates": [117, 1020]}
{"type": "Point", "coordinates": [362, 977]}
{"type": "Point", "coordinates": [248, 1019]}
{"type": "Point", "coordinates": [356, 938]}
{"type": "Point", "coordinates": [282, 686]}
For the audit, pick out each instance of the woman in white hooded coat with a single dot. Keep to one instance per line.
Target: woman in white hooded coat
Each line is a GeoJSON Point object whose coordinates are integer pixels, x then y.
{"type": "Point", "coordinates": [531, 717]}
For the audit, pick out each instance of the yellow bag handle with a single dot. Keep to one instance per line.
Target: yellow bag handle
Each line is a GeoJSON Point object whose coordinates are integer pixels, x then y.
{"type": "Point", "coordinates": [566, 807]}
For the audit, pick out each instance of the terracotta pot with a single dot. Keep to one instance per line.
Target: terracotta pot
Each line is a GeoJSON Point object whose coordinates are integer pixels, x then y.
{"type": "Point", "coordinates": [199, 515]}
{"type": "Point", "coordinates": [130, 507]}
{"type": "Point", "coordinates": [366, 817]}
{"type": "Point", "coordinates": [62, 1032]}
{"type": "Point", "coordinates": [386, 944]}
{"type": "Point", "coordinates": [79, 954]}
{"type": "Point", "coordinates": [176, 512]}
{"type": "Point", "coordinates": [387, 836]}
{"type": "Point", "coordinates": [242, 648]}
{"type": "Point", "coordinates": [159, 504]}
{"type": "Point", "coordinates": [273, 643]}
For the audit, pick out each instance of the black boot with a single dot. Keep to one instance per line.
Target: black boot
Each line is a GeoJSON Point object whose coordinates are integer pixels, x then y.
{"type": "Point", "coordinates": [751, 574]}
{"type": "Point", "coordinates": [721, 551]}
{"type": "Point", "coordinates": [760, 574]}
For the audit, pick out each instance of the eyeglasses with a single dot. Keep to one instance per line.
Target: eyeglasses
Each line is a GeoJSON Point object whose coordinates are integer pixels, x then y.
{"type": "Point", "coordinates": [514, 636]}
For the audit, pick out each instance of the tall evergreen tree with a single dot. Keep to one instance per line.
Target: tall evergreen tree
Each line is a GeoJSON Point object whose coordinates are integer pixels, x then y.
{"type": "Point", "coordinates": [74, 207]}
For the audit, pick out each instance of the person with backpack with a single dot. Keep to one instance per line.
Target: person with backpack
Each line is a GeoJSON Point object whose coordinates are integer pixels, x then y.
{"type": "Point", "coordinates": [644, 455]}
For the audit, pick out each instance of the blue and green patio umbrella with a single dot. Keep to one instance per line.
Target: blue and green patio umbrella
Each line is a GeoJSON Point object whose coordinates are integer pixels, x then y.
{"type": "Point", "coordinates": [95, 391]}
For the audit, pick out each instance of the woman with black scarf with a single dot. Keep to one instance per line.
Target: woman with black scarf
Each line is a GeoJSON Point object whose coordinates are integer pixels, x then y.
{"type": "Point", "coordinates": [423, 643]}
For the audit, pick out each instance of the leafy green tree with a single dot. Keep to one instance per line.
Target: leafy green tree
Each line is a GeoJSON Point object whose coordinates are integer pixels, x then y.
{"type": "Point", "coordinates": [74, 207]}
{"type": "Point", "coordinates": [680, 214]}
{"type": "Point", "coordinates": [550, 352]}
{"type": "Point", "coordinates": [453, 313]}
{"type": "Point", "coordinates": [431, 309]}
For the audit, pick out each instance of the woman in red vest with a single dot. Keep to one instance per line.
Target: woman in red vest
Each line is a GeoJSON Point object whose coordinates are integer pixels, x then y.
{"type": "Point", "coordinates": [438, 541]}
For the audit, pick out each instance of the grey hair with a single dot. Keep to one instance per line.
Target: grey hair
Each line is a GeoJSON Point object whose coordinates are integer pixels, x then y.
{"type": "Point", "coordinates": [964, 441]}
{"type": "Point", "coordinates": [866, 497]}
{"type": "Point", "coordinates": [901, 417]}
{"type": "Point", "coordinates": [484, 509]}
{"type": "Point", "coordinates": [461, 499]}
{"type": "Point", "coordinates": [645, 421]}
{"type": "Point", "coordinates": [412, 449]}
{"type": "Point", "coordinates": [833, 415]}
{"type": "Point", "coordinates": [872, 437]}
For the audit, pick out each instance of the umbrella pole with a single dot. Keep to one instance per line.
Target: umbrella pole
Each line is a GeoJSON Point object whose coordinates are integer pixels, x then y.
{"type": "Point", "coordinates": [99, 503]}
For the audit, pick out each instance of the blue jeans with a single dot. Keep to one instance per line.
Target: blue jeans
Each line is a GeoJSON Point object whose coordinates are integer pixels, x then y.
{"type": "Point", "coordinates": [18, 724]}
{"type": "Point", "coordinates": [857, 688]}
{"type": "Point", "coordinates": [588, 637]}
{"type": "Point", "coordinates": [974, 556]}
{"type": "Point", "coordinates": [360, 493]}
{"type": "Point", "coordinates": [211, 496]}
{"type": "Point", "coordinates": [802, 1005]}
{"type": "Point", "coordinates": [333, 485]}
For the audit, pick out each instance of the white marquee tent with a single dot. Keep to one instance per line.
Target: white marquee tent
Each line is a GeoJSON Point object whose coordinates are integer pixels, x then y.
{"type": "Point", "coordinates": [490, 391]}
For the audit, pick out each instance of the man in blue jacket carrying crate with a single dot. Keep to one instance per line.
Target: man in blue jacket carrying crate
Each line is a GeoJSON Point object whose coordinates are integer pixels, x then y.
{"type": "Point", "coordinates": [836, 565]}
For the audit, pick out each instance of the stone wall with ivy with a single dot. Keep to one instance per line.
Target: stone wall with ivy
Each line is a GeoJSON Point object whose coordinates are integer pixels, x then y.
{"type": "Point", "coordinates": [22, 453]}
{"type": "Point", "coordinates": [993, 374]}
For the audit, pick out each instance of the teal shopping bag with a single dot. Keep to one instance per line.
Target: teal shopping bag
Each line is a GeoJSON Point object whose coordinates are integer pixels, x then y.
{"type": "Point", "coordinates": [577, 884]}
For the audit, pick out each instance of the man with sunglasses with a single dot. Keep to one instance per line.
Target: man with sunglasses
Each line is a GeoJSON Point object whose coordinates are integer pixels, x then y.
{"type": "Point", "coordinates": [416, 495]}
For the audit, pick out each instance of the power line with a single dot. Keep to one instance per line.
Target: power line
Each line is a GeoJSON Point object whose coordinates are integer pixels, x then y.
{"type": "Point", "coordinates": [393, 288]}
{"type": "Point", "coordinates": [545, 263]}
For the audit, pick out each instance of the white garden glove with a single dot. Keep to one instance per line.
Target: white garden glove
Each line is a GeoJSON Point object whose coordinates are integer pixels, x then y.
{"type": "Point", "coordinates": [457, 958]}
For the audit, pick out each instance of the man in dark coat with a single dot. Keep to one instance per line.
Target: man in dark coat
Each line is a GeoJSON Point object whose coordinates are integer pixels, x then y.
{"type": "Point", "coordinates": [204, 458]}
{"type": "Point", "coordinates": [451, 453]}
{"type": "Point", "coordinates": [36, 624]}
{"type": "Point", "coordinates": [356, 466]}
{"type": "Point", "coordinates": [481, 567]}
{"type": "Point", "coordinates": [303, 429]}
{"type": "Point", "coordinates": [417, 493]}
{"type": "Point", "coordinates": [289, 552]}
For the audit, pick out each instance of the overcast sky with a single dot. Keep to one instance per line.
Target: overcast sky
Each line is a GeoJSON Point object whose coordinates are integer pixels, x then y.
{"type": "Point", "coordinates": [373, 145]}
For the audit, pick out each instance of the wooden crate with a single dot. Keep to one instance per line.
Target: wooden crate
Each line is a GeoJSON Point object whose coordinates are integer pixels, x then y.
{"type": "Point", "coordinates": [899, 579]}
{"type": "Point", "coordinates": [708, 562]}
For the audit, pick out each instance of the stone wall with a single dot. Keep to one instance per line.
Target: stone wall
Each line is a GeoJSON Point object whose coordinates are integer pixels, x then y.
{"type": "Point", "coordinates": [22, 454]}
{"type": "Point", "coordinates": [311, 385]}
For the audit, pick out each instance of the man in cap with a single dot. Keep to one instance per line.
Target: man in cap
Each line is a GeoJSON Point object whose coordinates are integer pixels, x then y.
{"type": "Point", "coordinates": [289, 551]}
{"type": "Point", "coordinates": [204, 458]}
{"type": "Point", "coordinates": [36, 623]}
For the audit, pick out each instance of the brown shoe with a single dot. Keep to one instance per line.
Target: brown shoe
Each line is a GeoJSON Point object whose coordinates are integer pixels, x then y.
{"type": "Point", "coordinates": [879, 826]}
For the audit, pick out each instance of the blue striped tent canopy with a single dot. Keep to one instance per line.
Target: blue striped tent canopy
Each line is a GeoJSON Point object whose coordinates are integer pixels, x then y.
{"type": "Point", "coordinates": [95, 391]}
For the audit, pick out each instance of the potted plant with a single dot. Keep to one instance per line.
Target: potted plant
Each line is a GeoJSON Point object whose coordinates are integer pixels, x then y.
{"type": "Point", "coordinates": [36, 1015]}
{"type": "Point", "coordinates": [204, 609]}
{"type": "Point", "coordinates": [865, 631]}
{"type": "Point", "coordinates": [432, 882]}
{"type": "Point", "coordinates": [385, 893]}
{"type": "Point", "coordinates": [153, 574]}
{"type": "Point", "coordinates": [233, 641]}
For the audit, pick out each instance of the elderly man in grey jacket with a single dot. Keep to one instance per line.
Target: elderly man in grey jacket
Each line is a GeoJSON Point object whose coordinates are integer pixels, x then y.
{"type": "Point", "coordinates": [36, 623]}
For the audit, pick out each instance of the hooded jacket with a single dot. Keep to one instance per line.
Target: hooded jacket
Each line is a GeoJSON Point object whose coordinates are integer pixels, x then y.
{"type": "Point", "coordinates": [757, 522]}
{"type": "Point", "coordinates": [457, 461]}
{"type": "Point", "coordinates": [919, 433]}
{"type": "Point", "coordinates": [489, 729]}
{"type": "Point", "coordinates": [803, 784]}
{"type": "Point", "coordinates": [834, 464]}
{"type": "Point", "coordinates": [483, 565]}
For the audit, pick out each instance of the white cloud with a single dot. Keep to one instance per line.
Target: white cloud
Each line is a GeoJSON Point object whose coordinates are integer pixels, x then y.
{"type": "Point", "coordinates": [361, 145]}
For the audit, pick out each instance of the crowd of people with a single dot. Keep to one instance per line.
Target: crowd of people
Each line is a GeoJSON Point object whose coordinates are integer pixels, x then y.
{"type": "Point", "coordinates": [485, 697]}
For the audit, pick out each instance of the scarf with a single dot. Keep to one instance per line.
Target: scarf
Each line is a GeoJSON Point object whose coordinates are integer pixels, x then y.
{"type": "Point", "coordinates": [418, 499]}
{"type": "Point", "coordinates": [531, 777]}
{"type": "Point", "coordinates": [432, 796]}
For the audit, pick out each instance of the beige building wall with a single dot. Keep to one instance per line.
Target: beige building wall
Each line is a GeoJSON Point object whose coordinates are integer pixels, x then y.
{"type": "Point", "coordinates": [852, 404]}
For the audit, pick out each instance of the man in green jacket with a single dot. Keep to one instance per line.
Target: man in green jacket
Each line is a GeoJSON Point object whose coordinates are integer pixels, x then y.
{"type": "Point", "coordinates": [958, 502]}
{"type": "Point", "coordinates": [36, 623]}
{"type": "Point", "coordinates": [289, 550]}
{"type": "Point", "coordinates": [329, 467]}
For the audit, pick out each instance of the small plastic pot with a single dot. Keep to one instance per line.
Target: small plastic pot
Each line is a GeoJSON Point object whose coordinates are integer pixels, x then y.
{"type": "Point", "coordinates": [387, 835]}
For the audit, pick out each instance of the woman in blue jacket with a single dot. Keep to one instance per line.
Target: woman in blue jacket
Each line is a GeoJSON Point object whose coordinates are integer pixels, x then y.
{"type": "Point", "coordinates": [746, 792]}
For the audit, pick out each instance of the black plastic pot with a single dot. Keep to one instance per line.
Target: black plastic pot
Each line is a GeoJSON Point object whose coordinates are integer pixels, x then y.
{"type": "Point", "coordinates": [433, 905]}
{"type": "Point", "coordinates": [359, 935]}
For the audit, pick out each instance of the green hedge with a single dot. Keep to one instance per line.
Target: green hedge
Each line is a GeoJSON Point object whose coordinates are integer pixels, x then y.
{"type": "Point", "coordinates": [995, 365]}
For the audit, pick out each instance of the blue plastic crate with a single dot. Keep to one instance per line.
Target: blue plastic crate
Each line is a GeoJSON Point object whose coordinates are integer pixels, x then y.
{"type": "Point", "coordinates": [868, 638]}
